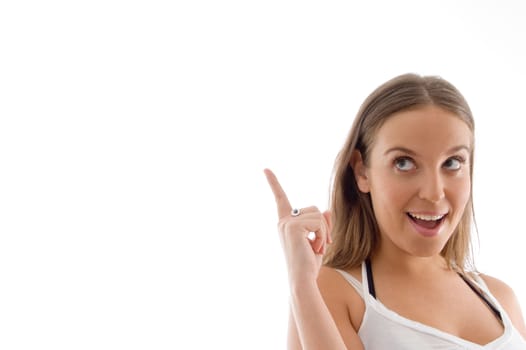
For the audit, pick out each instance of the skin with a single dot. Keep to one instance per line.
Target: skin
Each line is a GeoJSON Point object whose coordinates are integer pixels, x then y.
{"type": "Point", "coordinates": [419, 163]}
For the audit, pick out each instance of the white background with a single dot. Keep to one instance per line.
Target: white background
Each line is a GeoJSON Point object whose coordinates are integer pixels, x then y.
{"type": "Point", "coordinates": [134, 213]}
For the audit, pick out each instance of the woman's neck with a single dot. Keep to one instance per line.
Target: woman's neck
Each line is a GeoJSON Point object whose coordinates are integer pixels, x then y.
{"type": "Point", "coordinates": [396, 261]}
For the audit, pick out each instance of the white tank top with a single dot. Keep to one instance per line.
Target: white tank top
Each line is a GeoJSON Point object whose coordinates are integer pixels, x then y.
{"type": "Point", "coordinates": [383, 329]}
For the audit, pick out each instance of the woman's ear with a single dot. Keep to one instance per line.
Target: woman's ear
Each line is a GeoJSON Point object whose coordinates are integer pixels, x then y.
{"type": "Point", "coordinates": [360, 171]}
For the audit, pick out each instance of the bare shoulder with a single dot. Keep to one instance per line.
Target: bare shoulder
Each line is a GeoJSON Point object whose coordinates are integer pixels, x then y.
{"type": "Point", "coordinates": [498, 288]}
{"type": "Point", "coordinates": [501, 291]}
{"type": "Point", "coordinates": [333, 285]}
{"type": "Point", "coordinates": [331, 281]}
{"type": "Point", "coordinates": [343, 303]}
{"type": "Point", "coordinates": [333, 275]}
{"type": "Point", "coordinates": [507, 298]}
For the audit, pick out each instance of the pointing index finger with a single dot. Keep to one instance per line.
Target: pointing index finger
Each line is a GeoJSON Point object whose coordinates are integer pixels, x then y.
{"type": "Point", "coordinates": [282, 201]}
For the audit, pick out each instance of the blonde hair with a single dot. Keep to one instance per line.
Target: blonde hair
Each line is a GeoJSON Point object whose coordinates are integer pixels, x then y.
{"type": "Point", "coordinates": [355, 231]}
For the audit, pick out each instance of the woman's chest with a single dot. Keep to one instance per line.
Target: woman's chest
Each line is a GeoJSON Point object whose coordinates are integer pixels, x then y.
{"type": "Point", "coordinates": [455, 310]}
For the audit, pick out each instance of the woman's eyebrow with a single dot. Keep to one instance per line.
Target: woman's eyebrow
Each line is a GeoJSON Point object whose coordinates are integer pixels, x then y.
{"type": "Point", "coordinates": [458, 148]}
{"type": "Point", "coordinates": [401, 149]}
{"type": "Point", "coordinates": [413, 153]}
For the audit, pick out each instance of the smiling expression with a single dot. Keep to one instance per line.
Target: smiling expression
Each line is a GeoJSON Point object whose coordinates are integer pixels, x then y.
{"type": "Point", "coordinates": [418, 176]}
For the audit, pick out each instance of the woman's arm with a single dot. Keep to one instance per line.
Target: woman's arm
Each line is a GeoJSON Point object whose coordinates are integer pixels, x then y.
{"type": "Point", "coordinates": [335, 296]}
{"type": "Point", "coordinates": [303, 256]}
{"type": "Point", "coordinates": [316, 328]}
{"type": "Point", "coordinates": [293, 339]}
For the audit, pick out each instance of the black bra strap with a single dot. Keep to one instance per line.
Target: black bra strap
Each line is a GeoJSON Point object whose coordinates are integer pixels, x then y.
{"type": "Point", "coordinates": [479, 293]}
{"type": "Point", "coordinates": [370, 281]}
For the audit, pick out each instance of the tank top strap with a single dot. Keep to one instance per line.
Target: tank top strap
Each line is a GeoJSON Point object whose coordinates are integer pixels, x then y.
{"type": "Point", "coordinates": [475, 276]}
{"type": "Point", "coordinates": [479, 287]}
{"type": "Point", "coordinates": [357, 285]}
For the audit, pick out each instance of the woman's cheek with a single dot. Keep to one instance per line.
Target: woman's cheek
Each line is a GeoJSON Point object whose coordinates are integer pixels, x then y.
{"type": "Point", "coordinates": [462, 191]}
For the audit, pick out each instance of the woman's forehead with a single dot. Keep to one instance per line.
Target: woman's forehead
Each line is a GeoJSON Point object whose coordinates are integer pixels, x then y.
{"type": "Point", "coordinates": [428, 128]}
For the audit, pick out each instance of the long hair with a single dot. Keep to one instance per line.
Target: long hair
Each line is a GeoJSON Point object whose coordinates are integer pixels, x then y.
{"type": "Point", "coordinates": [355, 230]}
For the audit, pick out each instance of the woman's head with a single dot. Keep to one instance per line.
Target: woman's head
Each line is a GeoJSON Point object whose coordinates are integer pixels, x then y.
{"type": "Point", "coordinates": [407, 161]}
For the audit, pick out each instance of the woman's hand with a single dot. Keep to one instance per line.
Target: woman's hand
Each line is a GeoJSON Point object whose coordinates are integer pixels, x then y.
{"type": "Point", "coordinates": [303, 251]}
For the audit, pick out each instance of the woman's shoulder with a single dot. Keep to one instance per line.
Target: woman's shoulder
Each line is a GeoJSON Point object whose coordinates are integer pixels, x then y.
{"type": "Point", "coordinates": [500, 290]}
{"type": "Point", "coordinates": [330, 276]}
{"type": "Point", "coordinates": [341, 297]}
{"type": "Point", "coordinates": [507, 299]}
{"type": "Point", "coordinates": [338, 288]}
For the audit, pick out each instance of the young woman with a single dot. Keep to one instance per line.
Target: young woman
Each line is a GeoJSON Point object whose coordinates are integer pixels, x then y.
{"type": "Point", "coordinates": [390, 265]}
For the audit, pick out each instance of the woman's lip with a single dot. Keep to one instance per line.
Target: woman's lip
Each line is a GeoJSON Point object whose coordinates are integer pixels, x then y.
{"type": "Point", "coordinates": [427, 232]}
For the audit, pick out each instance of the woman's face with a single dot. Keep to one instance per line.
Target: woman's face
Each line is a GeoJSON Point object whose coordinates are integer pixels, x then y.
{"type": "Point", "coordinates": [418, 176]}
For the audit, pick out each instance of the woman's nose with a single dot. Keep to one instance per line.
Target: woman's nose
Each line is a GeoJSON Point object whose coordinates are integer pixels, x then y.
{"type": "Point", "coordinates": [432, 188]}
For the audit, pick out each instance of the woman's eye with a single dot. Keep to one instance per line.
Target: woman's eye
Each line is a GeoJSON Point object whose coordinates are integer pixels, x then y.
{"type": "Point", "coordinates": [453, 163]}
{"type": "Point", "coordinates": [404, 164]}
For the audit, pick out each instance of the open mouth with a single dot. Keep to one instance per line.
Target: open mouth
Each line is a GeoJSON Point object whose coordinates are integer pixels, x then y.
{"type": "Point", "coordinates": [427, 221]}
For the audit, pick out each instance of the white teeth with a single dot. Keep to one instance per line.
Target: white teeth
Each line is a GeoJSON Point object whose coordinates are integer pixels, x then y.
{"type": "Point", "coordinates": [427, 217]}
